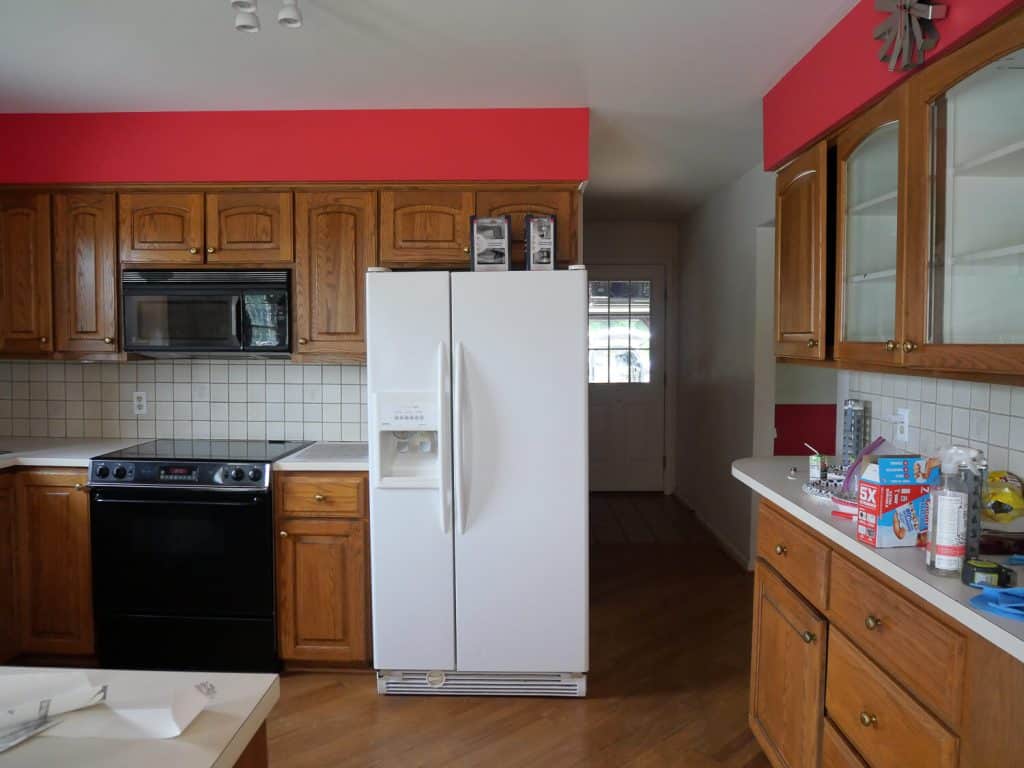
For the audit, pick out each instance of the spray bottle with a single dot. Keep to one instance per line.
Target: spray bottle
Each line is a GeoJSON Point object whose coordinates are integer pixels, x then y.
{"type": "Point", "coordinates": [949, 509]}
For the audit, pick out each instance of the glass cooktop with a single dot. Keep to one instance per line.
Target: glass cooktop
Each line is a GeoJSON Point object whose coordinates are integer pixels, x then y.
{"type": "Point", "coordinates": [255, 451]}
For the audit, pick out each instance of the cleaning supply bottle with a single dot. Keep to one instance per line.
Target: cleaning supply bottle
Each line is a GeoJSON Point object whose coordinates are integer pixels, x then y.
{"type": "Point", "coordinates": [948, 510]}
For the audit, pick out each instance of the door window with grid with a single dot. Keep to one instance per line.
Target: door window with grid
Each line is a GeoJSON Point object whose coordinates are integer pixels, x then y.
{"type": "Point", "coordinates": [620, 331]}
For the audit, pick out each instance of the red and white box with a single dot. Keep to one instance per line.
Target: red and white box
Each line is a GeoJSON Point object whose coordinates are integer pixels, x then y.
{"type": "Point", "coordinates": [892, 503]}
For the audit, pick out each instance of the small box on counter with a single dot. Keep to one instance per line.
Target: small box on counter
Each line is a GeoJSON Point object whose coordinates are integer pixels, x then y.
{"type": "Point", "coordinates": [892, 502]}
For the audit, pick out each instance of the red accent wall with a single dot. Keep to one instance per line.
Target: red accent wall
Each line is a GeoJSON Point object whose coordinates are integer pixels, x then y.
{"type": "Point", "coordinates": [799, 424]}
{"type": "Point", "coordinates": [321, 145]}
{"type": "Point", "coordinates": [842, 74]}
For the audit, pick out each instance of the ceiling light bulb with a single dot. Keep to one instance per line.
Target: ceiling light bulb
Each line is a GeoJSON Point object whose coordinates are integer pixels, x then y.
{"type": "Point", "coordinates": [244, 6]}
{"type": "Point", "coordinates": [290, 16]}
{"type": "Point", "coordinates": [247, 22]}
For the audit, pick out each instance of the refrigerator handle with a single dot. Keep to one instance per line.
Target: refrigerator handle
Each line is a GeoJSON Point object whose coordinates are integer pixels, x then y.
{"type": "Point", "coordinates": [460, 491]}
{"type": "Point", "coordinates": [444, 433]}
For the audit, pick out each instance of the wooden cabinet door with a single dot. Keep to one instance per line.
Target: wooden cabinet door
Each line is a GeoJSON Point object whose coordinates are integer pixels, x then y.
{"type": "Point", "coordinates": [321, 590]}
{"type": "Point", "coordinates": [85, 272]}
{"type": "Point", "coordinates": [26, 313]}
{"type": "Point", "coordinates": [336, 239]}
{"type": "Point", "coordinates": [801, 209]}
{"type": "Point", "coordinates": [425, 228]}
{"type": "Point", "coordinates": [10, 638]}
{"type": "Point", "coordinates": [836, 751]}
{"type": "Point", "coordinates": [54, 562]}
{"type": "Point", "coordinates": [517, 203]}
{"type": "Point", "coordinates": [249, 227]}
{"type": "Point", "coordinates": [787, 675]}
{"type": "Point", "coordinates": [161, 228]}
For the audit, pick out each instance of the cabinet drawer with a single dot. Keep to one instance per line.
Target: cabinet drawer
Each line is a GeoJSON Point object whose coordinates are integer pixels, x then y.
{"type": "Point", "coordinates": [880, 718]}
{"type": "Point", "coordinates": [799, 557]}
{"type": "Point", "coordinates": [836, 752]}
{"type": "Point", "coordinates": [920, 652]}
{"type": "Point", "coordinates": [329, 494]}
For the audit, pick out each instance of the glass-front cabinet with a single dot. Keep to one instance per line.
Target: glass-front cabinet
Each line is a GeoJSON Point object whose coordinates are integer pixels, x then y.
{"type": "Point", "coordinates": [968, 208]}
{"type": "Point", "coordinates": [871, 200]}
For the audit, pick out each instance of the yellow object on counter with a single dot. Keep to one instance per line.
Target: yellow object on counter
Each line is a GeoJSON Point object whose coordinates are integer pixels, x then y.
{"type": "Point", "coordinates": [1004, 497]}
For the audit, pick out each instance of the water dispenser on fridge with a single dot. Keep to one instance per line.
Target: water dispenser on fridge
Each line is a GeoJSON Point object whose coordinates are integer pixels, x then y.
{"type": "Point", "coordinates": [407, 423]}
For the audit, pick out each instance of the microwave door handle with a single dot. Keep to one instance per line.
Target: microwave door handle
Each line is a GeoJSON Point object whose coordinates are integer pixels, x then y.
{"type": "Point", "coordinates": [239, 322]}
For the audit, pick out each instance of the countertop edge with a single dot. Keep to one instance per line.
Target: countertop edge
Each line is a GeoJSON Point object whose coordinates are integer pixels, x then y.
{"type": "Point", "coordinates": [234, 749]}
{"type": "Point", "coordinates": [946, 604]}
{"type": "Point", "coordinates": [321, 466]}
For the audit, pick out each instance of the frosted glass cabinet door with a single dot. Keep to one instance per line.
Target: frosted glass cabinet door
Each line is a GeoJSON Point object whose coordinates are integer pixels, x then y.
{"type": "Point", "coordinates": [870, 166]}
{"type": "Point", "coordinates": [976, 270]}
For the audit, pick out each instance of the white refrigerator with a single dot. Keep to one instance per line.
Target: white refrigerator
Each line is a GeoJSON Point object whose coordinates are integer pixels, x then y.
{"type": "Point", "coordinates": [479, 516]}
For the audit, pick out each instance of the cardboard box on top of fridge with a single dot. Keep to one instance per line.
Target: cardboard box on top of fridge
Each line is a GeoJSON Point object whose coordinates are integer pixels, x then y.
{"type": "Point", "coordinates": [892, 502]}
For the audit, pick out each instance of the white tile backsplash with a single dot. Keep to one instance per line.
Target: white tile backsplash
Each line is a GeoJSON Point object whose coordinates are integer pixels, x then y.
{"type": "Point", "coordinates": [185, 399]}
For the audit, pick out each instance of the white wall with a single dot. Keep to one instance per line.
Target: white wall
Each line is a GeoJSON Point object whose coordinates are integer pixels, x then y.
{"type": "Point", "coordinates": [645, 242]}
{"type": "Point", "coordinates": [718, 318]}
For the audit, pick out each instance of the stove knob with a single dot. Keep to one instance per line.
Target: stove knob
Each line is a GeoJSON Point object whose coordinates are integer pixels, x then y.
{"type": "Point", "coordinates": [102, 470]}
{"type": "Point", "coordinates": [120, 472]}
{"type": "Point", "coordinates": [255, 474]}
{"type": "Point", "coordinates": [237, 473]}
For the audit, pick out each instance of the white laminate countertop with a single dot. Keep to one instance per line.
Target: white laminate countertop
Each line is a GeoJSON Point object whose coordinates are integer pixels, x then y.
{"type": "Point", "coordinates": [904, 565]}
{"type": "Point", "coordinates": [215, 739]}
{"type": "Point", "coordinates": [327, 457]}
{"type": "Point", "coordinates": [56, 451]}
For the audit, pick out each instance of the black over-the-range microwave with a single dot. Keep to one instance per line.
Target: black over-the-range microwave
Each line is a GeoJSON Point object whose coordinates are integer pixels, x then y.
{"type": "Point", "coordinates": [191, 313]}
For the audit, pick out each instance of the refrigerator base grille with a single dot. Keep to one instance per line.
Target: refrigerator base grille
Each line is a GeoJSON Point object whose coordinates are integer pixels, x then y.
{"type": "Point", "coordinates": [428, 683]}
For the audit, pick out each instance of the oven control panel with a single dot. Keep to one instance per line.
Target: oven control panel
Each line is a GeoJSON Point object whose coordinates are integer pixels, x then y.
{"type": "Point", "coordinates": [202, 474]}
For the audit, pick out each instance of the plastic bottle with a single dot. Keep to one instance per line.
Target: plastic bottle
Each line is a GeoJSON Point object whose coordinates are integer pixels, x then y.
{"type": "Point", "coordinates": [948, 509]}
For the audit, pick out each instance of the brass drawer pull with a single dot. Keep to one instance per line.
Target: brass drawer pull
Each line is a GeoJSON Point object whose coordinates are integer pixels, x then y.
{"type": "Point", "coordinates": [283, 534]}
{"type": "Point", "coordinates": [780, 549]}
{"type": "Point", "coordinates": [812, 343]}
{"type": "Point", "coordinates": [891, 345]}
{"type": "Point", "coordinates": [320, 497]}
{"type": "Point", "coordinates": [909, 346]}
{"type": "Point", "coordinates": [193, 251]}
{"type": "Point", "coordinates": [872, 622]}
{"type": "Point", "coordinates": [808, 637]}
{"type": "Point", "coordinates": [868, 720]}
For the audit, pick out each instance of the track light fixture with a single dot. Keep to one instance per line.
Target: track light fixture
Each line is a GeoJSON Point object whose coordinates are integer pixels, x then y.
{"type": "Point", "coordinates": [290, 17]}
{"type": "Point", "coordinates": [244, 6]}
{"type": "Point", "coordinates": [247, 22]}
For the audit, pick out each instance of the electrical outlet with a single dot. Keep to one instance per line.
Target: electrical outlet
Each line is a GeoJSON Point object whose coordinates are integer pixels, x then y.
{"type": "Point", "coordinates": [139, 406]}
{"type": "Point", "coordinates": [901, 426]}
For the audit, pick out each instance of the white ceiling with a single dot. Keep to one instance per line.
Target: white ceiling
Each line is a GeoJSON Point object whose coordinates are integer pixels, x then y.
{"type": "Point", "coordinates": [674, 85]}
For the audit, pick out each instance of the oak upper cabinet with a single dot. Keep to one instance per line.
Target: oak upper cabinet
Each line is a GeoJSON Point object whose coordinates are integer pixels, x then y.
{"type": "Point", "coordinates": [161, 227]}
{"type": "Point", "coordinates": [517, 203]}
{"type": "Point", "coordinates": [9, 635]}
{"type": "Point", "coordinates": [248, 227]}
{"type": "Point", "coordinates": [871, 203]}
{"type": "Point", "coordinates": [54, 562]}
{"type": "Point", "coordinates": [787, 686]}
{"type": "Point", "coordinates": [336, 240]}
{"type": "Point", "coordinates": [26, 310]}
{"type": "Point", "coordinates": [967, 207]}
{"type": "Point", "coordinates": [801, 227]}
{"type": "Point", "coordinates": [85, 272]}
{"type": "Point", "coordinates": [426, 228]}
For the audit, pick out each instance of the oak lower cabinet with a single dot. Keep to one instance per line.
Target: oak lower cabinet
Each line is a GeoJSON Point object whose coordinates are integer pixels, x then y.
{"type": "Point", "coordinates": [9, 636]}
{"type": "Point", "coordinates": [873, 675]}
{"type": "Point", "coordinates": [26, 319]}
{"type": "Point", "coordinates": [322, 568]}
{"type": "Point", "coordinates": [788, 672]}
{"type": "Point", "coordinates": [335, 243]}
{"type": "Point", "coordinates": [54, 562]}
{"type": "Point", "coordinates": [85, 271]}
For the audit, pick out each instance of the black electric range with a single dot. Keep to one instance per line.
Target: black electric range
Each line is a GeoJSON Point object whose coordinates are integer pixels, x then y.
{"type": "Point", "coordinates": [183, 555]}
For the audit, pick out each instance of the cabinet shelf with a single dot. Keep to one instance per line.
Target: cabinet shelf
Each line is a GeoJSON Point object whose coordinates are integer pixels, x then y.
{"type": "Point", "coordinates": [884, 205]}
{"type": "Point", "coordinates": [1005, 162]}
{"type": "Point", "coordinates": [867, 277]}
{"type": "Point", "coordinates": [989, 254]}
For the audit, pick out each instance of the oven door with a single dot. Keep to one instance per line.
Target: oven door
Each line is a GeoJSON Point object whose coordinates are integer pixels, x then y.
{"type": "Point", "coordinates": [188, 553]}
{"type": "Point", "coordinates": [182, 319]}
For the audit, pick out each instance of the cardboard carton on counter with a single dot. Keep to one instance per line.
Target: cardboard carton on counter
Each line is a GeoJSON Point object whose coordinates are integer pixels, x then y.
{"type": "Point", "coordinates": [892, 502]}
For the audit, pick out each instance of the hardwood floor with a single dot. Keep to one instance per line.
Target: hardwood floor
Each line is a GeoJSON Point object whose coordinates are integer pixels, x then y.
{"type": "Point", "coordinates": [670, 646]}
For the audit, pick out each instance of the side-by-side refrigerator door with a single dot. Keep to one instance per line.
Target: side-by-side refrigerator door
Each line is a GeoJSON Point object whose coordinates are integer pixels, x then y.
{"type": "Point", "coordinates": [519, 378]}
{"type": "Point", "coordinates": [409, 388]}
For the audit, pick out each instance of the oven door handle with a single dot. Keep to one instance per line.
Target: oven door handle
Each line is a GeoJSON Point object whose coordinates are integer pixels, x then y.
{"type": "Point", "coordinates": [99, 498]}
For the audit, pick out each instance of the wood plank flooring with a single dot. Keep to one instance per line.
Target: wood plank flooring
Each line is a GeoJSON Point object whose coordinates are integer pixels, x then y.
{"type": "Point", "coordinates": [670, 647]}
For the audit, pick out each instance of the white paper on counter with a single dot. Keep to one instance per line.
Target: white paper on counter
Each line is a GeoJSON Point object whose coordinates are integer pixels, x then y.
{"type": "Point", "coordinates": [21, 693]}
{"type": "Point", "coordinates": [156, 715]}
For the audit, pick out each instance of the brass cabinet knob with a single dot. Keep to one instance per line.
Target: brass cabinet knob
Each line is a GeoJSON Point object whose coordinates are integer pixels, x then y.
{"type": "Point", "coordinates": [872, 622]}
{"type": "Point", "coordinates": [320, 497]}
{"type": "Point", "coordinates": [43, 339]}
{"type": "Point", "coordinates": [211, 249]}
{"type": "Point", "coordinates": [283, 534]}
{"type": "Point", "coordinates": [79, 487]}
{"type": "Point", "coordinates": [812, 343]}
{"type": "Point", "coordinates": [193, 250]}
{"type": "Point", "coordinates": [808, 637]}
{"type": "Point", "coordinates": [108, 339]}
{"type": "Point", "coordinates": [909, 346]}
{"type": "Point", "coordinates": [466, 249]}
{"type": "Point", "coordinates": [868, 720]}
{"type": "Point", "coordinates": [891, 345]}
{"type": "Point", "coordinates": [780, 549]}
{"type": "Point", "coordinates": [303, 341]}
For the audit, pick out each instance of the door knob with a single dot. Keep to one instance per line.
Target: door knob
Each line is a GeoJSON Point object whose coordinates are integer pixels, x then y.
{"type": "Point", "coordinates": [909, 346]}
{"type": "Point", "coordinates": [211, 249]}
{"type": "Point", "coordinates": [812, 343]}
{"type": "Point", "coordinates": [891, 345]}
{"type": "Point", "coordinates": [872, 622]}
{"type": "Point", "coordinates": [193, 250]}
{"type": "Point", "coordinates": [283, 534]}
